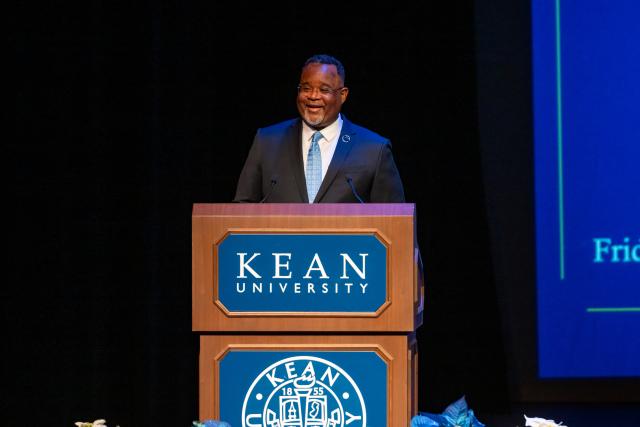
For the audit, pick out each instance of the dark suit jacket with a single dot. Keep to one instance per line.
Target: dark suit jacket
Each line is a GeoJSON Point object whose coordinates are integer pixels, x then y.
{"type": "Point", "coordinates": [274, 168]}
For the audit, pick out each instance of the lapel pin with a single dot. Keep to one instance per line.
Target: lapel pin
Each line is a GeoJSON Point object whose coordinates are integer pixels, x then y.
{"type": "Point", "coordinates": [346, 138]}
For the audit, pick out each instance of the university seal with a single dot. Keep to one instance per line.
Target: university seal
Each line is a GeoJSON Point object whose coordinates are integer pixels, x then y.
{"type": "Point", "coordinates": [304, 391]}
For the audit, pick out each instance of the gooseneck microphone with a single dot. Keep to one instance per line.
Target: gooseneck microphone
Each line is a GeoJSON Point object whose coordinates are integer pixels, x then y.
{"type": "Point", "coordinates": [353, 189]}
{"type": "Point", "coordinates": [274, 181]}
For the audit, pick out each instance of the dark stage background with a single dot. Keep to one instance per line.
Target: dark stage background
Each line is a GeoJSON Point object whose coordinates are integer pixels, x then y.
{"type": "Point", "coordinates": [127, 114]}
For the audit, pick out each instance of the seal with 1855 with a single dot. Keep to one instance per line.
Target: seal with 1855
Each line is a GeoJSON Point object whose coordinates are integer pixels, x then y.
{"type": "Point", "coordinates": [304, 391]}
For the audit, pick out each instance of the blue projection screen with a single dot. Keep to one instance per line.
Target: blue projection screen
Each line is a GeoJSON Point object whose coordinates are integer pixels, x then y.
{"type": "Point", "coordinates": [586, 76]}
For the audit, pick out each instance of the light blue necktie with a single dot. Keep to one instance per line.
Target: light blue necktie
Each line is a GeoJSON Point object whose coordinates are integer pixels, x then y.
{"type": "Point", "coordinates": [313, 172]}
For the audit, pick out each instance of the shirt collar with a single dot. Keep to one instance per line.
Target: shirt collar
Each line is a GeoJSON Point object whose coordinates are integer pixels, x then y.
{"type": "Point", "coordinates": [329, 133]}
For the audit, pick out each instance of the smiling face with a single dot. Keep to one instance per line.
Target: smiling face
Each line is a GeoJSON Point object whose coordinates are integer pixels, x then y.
{"type": "Point", "coordinates": [320, 95]}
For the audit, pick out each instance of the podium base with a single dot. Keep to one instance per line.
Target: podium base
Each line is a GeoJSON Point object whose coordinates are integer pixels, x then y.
{"type": "Point", "coordinates": [309, 380]}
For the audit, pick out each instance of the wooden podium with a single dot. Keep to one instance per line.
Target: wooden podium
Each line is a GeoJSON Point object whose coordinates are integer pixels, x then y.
{"type": "Point", "coordinates": [307, 313]}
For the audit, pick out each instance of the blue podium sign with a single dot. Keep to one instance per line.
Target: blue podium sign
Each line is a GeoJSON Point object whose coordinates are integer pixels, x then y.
{"type": "Point", "coordinates": [303, 389]}
{"type": "Point", "coordinates": [313, 273]}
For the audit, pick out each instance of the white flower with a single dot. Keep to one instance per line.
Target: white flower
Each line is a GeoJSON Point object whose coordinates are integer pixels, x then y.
{"type": "Point", "coordinates": [541, 422]}
{"type": "Point", "coordinates": [96, 423]}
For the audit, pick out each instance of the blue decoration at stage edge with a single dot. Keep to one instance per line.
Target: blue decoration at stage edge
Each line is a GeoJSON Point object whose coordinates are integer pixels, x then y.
{"type": "Point", "coordinates": [457, 414]}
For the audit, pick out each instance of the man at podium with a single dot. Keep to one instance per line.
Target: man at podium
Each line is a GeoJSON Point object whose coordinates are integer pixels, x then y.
{"type": "Point", "coordinates": [320, 157]}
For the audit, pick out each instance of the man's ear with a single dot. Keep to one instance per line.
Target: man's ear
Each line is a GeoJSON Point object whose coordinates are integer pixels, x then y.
{"type": "Point", "coordinates": [344, 92]}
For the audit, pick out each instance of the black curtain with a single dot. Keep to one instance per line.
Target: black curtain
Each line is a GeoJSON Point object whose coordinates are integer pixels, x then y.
{"type": "Point", "coordinates": [127, 114]}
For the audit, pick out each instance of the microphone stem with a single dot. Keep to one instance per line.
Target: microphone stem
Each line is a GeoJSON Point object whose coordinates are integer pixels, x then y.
{"type": "Point", "coordinates": [353, 189]}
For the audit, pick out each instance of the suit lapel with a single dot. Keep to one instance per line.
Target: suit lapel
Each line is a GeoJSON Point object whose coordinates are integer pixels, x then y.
{"type": "Point", "coordinates": [293, 139]}
{"type": "Point", "coordinates": [345, 142]}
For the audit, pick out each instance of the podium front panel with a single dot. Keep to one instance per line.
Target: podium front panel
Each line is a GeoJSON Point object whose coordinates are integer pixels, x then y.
{"type": "Point", "coordinates": [322, 380]}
